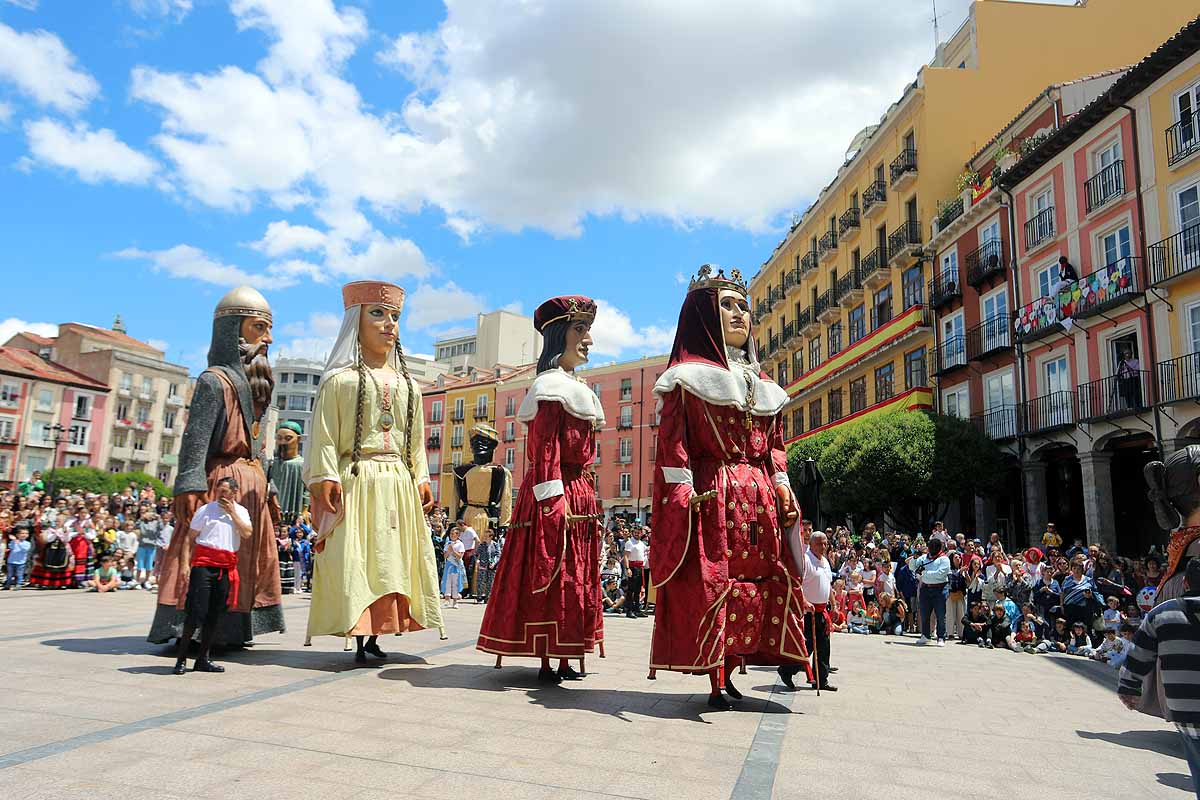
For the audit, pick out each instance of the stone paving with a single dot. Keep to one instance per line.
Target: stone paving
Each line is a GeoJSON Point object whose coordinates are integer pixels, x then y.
{"type": "Point", "coordinates": [88, 705]}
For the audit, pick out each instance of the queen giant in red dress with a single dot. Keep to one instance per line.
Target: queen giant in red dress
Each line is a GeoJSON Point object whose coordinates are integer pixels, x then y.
{"type": "Point", "coordinates": [545, 600]}
{"type": "Point", "coordinates": [727, 579]}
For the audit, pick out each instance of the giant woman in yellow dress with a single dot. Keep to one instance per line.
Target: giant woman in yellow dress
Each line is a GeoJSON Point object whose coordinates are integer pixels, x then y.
{"type": "Point", "coordinates": [375, 572]}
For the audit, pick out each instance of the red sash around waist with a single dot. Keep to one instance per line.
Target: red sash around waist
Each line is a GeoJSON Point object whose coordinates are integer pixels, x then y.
{"type": "Point", "coordinates": [204, 556]}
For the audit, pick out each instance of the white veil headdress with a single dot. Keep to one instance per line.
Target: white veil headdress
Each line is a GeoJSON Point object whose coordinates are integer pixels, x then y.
{"type": "Point", "coordinates": [345, 350]}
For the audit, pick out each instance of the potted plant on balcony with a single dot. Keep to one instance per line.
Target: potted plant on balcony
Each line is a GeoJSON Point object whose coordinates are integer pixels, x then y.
{"type": "Point", "coordinates": [966, 184]}
{"type": "Point", "coordinates": [1006, 157]}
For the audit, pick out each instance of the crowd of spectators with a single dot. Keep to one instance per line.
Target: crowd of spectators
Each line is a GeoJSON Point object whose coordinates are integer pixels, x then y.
{"type": "Point", "coordinates": [1078, 600]}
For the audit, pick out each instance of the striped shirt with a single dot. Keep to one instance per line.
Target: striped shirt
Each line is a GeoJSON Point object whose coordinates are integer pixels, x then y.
{"type": "Point", "coordinates": [1168, 641]}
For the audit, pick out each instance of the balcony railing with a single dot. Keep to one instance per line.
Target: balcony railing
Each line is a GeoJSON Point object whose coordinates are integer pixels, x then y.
{"type": "Point", "coordinates": [1174, 256]}
{"type": "Point", "coordinates": [849, 221]}
{"type": "Point", "coordinates": [1182, 139]}
{"type": "Point", "coordinates": [803, 320]}
{"type": "Point", "coordinates": [809, 261]}
{"type": "Point", "coordinates": [949, 212]}
{"type": "Point", "coordinates": [789, 332]}
{"type": "Point", "coordinates": [481, 413]}
{"type": "Point", "coordinates": [790, 280]}
{"type": "Point", "coordinates": [985, 261]}
{"type": "Point", "coordinates": [1179, 379]}
{"type": "Point", "coordinates": [951, 354]}
{"type": "Point", "coordinates": [1105, 185]}
{"type": "Point", "coordinates": [872, 262]}
{"type": "Point", "coordinates": [823, 302]}
{"type": "Point", "coordinates": [905, 237]}
{"type": "Point", "coordinates": [999, 423]}
{"type": "Point", "coordinates": [1115, 396]}
{"type": "Point", "coordinates": [456, 441]}
{"type": "Point", "coordinates": [1047, 413]}
{"type": "Point", "coordinates": [944, 286]}
{"type": "Point", "coordinates": [990, 336]}
{"type": "Point", "coordinates": [903, 164]}
{"type": "Point", "coordinates": [1040, 228]}
{"type": "Point", "coordinates": [850, 282]}
{"type": "Point", "coordinates": [434, 443]}
{"type": "Point", "coordinates": [827, 243]}
{"type": "Point", "coordinates": [874, 197]}
{"type": "Point", "coordinates": [1101, 289]}
{"type": "Point", "coordinates": [625, 423]}
{"type": "Point", "coordinates": [457, 416]}
{"type": "Point", "coordinates": [1037, 319]}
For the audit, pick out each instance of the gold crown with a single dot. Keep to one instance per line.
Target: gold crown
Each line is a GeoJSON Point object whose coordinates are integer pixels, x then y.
{"type": "Point", "coordinates": [704, 279]}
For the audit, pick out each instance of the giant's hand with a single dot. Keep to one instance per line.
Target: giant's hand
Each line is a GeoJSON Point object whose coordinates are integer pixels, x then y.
{"type": "Point", "coordinates": [327, 498]}
{"type": "Point", "coordinates": [184, 506]}
{"type": "Point", "coordinates": [787, 506]}
{"type": "Point", "coordinates": [426, 493]}
{"type": "Point", "coordinates": [273, 509]}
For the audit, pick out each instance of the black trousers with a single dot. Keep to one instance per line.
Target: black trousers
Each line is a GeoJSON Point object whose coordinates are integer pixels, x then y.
{"type": "Point", "coordinates": [633, 591]}
{"type": "Point", "coordinates": [816, 629]}
{"type": "Point", "coordinates": [469, 574]}
{"type": "Point", "coordinates": [208, 592]}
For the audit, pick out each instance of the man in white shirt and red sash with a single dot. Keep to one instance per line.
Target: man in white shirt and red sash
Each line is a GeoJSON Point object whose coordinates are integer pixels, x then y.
{"type": "Point", "coordinates": [816, 584]}
{"type": "Point", "coordinates": [635, 568]}
{"type": "Point", "coordinates": [217, 529]}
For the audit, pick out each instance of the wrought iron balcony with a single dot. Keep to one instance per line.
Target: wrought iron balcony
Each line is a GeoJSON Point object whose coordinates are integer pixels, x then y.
{"type": "Point", "coordinates": [944, 286]}
{"type": "Point", "coordinates": [903, 240]}
{"type": "Point", "coordinates": [993, 335]}
{"type": "Point", "coordinates": [789, 333]}
{"type": "Point", "coordinates": [457, 416]}
{"type": "Point", "coordinates": [903, 166]}
{"type": "Point", "coordinates": [1101, 289]}
{"type": "Point", "coordinates": [948, 212]}
{"type": "Point", "coordinates": [809, 261]}
{"type": "Point", "coordinates": [984, 262]}
{"type": "Point", "coordinates": [849, 221]}
{"type": "Point", "coordinates": [850, 287]}
{"type": "Point", "coordinates": [827, 245]}
{"type": "Point", "coordinates": [823, 303]}
{"type": "Point", "coordinates": [1050, 412]}
{"type": "Point", "coordinates": [1115, 396]}
{"type": "Point", "coordinates": [1182, 138]}
{"type": "Point", "coordinates": [1036, 319]}
{"type": "Point", "coordinates": [789, 281]}
{"type": "Point", "coordinates": [874, 198]}
{"type": "Point", "coordinates": [1174, 256]}
{"type": "Point", "coordinates": [951, 354]}
{"type": "Point", "coordinates": [1105, 186]}
{"type": "Point", "coordinates": [1040, 229]}
{"type": "Point", "coordinates": [1000, 423]}
{"type": "Point", "coordinates": [1179, 379]}
{"type": "Point", "coordinates": [434, 443]}
{"type": "Point", "coordinates": [872, 263]}
{"type": "Point", "coordinates": [803, 320]}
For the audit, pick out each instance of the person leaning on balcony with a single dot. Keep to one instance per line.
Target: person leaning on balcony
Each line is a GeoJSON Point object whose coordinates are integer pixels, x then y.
{"type": "Point", "coordinates": [1067, 274]}
{"type": "Point", "coordinates": [1129, 379]}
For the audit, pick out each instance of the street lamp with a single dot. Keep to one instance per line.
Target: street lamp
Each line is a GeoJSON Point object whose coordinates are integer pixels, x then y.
{"type": "Point", "coordinates": [58, 439]}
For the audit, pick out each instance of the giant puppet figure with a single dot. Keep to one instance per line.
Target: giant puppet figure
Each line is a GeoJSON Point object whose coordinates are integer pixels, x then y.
{"type": "Point", "coordinates": [286, 473]}
{"type": "Point", "coordinates": [375, 571]}
{"type": "Point", "coordinates": [482, 495]}
{"type": "Point", "coordinates": [727, 574]}
{"type": "Point", "coordinates": [545, 600]}
{"type": "Point", "coordinates": [222, 438]}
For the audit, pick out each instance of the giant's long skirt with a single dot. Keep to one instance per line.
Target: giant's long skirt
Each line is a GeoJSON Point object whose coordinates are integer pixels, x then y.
{"type": "Point", "coordinates": [376, 572]}
{"type": "Point", "coordinates": [545, 599]}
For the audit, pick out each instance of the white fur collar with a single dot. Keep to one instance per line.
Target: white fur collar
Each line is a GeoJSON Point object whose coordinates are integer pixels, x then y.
{"type": "Point", "coordinates": [724, 387]}
{"type": "Point", "coordinates": [557, 386]}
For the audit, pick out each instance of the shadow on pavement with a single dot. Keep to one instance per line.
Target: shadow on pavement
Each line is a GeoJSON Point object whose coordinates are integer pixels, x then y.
{"type": "Point", "coordinates": [1164, 742]}
{"type": "Point", "coordinates": [618, 703]}
{"type": "Point", "coordinates": [308, 658]}
{"type": "Point", "coordinates": [1094, 671]}
{"type": "Point", "coordinates": [1176, 780]}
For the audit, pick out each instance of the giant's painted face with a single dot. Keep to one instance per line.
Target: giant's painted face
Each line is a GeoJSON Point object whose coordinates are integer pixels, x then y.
{"type": "Point", "coordinates": [735, 317]}
{"type": "Point", "coordinates": [255, 330]}
{"type": "Point", "coordinates": [579, 340]}
{"type": "Point", "coordinates": [378, 327]}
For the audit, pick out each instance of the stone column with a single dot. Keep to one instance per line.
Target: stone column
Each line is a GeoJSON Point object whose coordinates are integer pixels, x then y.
{"type": "Point", "coordinates": [1096, 475]}
{"type": "Point", "coordinates": [1033, 475]}
{"type": "Point", "coordinates": [985, 517]}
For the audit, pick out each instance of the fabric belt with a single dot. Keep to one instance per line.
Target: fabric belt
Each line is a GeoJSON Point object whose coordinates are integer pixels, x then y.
{"type": "Point", "coordinates": [638, 564]}
{"type": "Point", "coordinates": [470, 552]}
{"type": "Point", "coordinates": [933, 585]}
{"type": "Point", "coordinates": [204, 556]}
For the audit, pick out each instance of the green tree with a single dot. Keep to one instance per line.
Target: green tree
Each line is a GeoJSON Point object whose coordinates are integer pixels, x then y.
{"type": "Point", "coordinates": [909, 466]}
{"type": "Point", "coordinates": [81, 479]}
{"type": "Point", "coordinates": [123, 479]}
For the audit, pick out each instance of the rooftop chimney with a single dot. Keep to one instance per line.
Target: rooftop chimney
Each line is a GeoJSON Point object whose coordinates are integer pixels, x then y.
{"type": "Point", "coordinates": [118, 325]}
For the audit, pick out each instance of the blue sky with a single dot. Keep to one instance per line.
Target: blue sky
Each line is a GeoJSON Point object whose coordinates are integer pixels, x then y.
{"type": "Point", "coordinates": [154, 153]}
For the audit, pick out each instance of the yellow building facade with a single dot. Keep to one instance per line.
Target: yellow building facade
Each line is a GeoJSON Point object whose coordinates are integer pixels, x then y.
{"type": "Point", "coordinates": [840, 306]}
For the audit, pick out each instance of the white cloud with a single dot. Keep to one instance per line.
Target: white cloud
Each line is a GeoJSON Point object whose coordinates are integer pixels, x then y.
{"type": "Point", "coordinates": [434, 305]}
{"type": "Point", "coordinates": [28, 5]}
{"type": "Point", "coordinates": [94, 155]}
{"type": "Point", "coordinates": [6, 112]}
{"type": "Point", "coordinates": [185, 261]}
{"type": "Point", "coordinates": [464, 228]}
{"type": "Point", "coordinates": [12, 326]}
{"type": "Point", "coordinates": [311, 339]}
{"type": "Point", "coordinates": [414, 54]}
{"type": "Point", "coordinates": [311, 36]}
{"type": "Point", "coordinates": [282, 238]}
{"type": "Point", "coordinates": [174, 10]}
{"type": "Point", "coordinates": [158, 344]}
{"type": "Point", "coordinates": [41, 67]}
{"type": "Point", "coordinates": [614, 334]}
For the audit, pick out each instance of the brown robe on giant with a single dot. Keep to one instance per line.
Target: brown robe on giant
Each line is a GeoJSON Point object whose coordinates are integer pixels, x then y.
{"type": "Point", "coordinates": [258, 607]}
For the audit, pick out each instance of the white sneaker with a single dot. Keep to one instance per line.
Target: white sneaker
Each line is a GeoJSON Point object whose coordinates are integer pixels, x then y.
{"type": "Point", "coordinates": [941, 642]}
{"type": "Point", "coordinates": [922, 641]}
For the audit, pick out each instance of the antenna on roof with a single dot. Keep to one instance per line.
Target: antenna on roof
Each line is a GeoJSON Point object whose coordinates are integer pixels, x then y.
{"type": "Point", "coordinates": [937, 39]}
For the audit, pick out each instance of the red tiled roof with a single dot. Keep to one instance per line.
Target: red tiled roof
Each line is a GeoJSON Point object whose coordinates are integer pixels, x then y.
{"type": "Point", "coordinates": [26, 364]}
{"type": "Point", "coordinates": [103, 333]}
{"type": "Point", "coordinates": [44, 341]}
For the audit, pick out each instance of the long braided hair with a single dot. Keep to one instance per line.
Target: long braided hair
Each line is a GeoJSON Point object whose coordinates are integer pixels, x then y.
{"type": "Point", "coordinates": [360, 405]}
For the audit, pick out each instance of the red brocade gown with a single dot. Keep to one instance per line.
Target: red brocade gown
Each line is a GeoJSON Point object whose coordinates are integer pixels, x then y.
{"type": "Point", "coordinates": [727, 584]}
{"type": "Point", "coordinates": [545, 599]}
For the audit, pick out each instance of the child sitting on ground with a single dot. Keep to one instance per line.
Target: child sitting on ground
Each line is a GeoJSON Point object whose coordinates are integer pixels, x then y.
{"type": "Point", "coordinates": [854, 592]}
{"type": "Point", "coordinates": [893, 613]}
{"type": "Point", "coordinates": [105, 578]}
{"type": "Point", "coordinates": [1025, 637]}
{"type": "Point", "coordinates": [1079, 644]}
{"type": "Point", "coordinates": [1113, 616]}
{"type": "Point", "coordinates": [1056, 639]}
{"type": "Point", "coordinates": [1111, 646]}
{"type": "Point", "coordinates": [128, 576]}
{"type": "Point", "coordinates": [976, 626]}
{"type": "Point", "coordinates": [1117, 659]}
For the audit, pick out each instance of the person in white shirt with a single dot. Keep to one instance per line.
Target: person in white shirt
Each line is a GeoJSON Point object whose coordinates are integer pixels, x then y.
{"type": "Point", "coordinates": [218, 529]}
{"type": "Point", "coordinates": [635, 567]}
{"type": "Point", "coordinates": [470, 539]}
{"type": "Point", "coordinates": [816, 584]}
{"type": "Point", "coordinates": [933, 571]}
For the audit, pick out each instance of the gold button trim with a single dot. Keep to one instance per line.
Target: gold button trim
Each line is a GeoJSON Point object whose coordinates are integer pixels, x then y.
{"type": "Point", "coordinates": [728, 553]}
{"type": "Point", "coordinates": [749, 618]}
{"type": "Point", "coordinates": [774, 620]}
{"type": "Point", "coordinates": [779, 600]}
{"type": "Point", "coordinates": [746, 639]}
{"type": "Point", "coordinates": [729, 640]}
{"type": "Point", "coordinates": [733, 617]}
{"type": "Point", "coordinates": [737, 593]}
{"type": "Point", "coordinates": [772, 642]}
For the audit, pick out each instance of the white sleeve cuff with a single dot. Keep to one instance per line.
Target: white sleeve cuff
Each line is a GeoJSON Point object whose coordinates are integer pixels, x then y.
{"type": "Point", "coordinates": [677, 475]}
{"type": "Point", "coordinates": [781, 479]}
{"type": "Point", "coordinates": [315, 479]}
{"type": "Point", "coordinates": [544, 491]}
{"type": "Point", "coordinates": [423, 480]}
